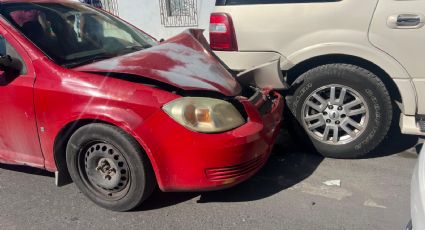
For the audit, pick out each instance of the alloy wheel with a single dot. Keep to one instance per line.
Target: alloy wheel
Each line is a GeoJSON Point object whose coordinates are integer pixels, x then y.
{"type": "Point", "coordinates": [335, 114]}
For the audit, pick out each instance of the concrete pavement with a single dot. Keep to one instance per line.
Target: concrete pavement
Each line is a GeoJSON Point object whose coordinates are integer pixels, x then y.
{"type": "Point", "coordinates": [289, 193]}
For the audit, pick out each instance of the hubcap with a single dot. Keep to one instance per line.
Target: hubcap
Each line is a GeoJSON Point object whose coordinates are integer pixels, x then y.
{"type": "Point", "coordinates": [335, 114]}
{"type": "Point", "coordinates": [106, 170]}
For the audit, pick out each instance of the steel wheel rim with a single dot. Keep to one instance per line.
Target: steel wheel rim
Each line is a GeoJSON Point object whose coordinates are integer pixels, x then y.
{"type": "Point", "coordinates": [104, 170]}
{"type": "Point", "coordinates": [335, 114]}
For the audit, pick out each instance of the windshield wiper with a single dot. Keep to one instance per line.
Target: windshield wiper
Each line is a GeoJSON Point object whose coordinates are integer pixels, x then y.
{"type": "Point", "coordinates": [90, 60]}
{"type": "Point", "coordinates": [100, 57]}
{"type": "Point", "coordinates": [130, 49]}
{"type": "Point", "coordinates": [138, 47]}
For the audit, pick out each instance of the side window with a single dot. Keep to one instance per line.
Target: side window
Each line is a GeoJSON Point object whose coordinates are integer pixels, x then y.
{"type": "Point", "coordinates": [9, 54]}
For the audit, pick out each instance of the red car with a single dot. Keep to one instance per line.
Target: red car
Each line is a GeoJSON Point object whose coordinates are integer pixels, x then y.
{"type": "Point", "coordinates": [86, 95]}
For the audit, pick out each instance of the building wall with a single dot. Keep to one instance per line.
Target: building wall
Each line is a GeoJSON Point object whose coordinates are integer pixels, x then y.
{"type": "Point", "coordinates": [146, 15]}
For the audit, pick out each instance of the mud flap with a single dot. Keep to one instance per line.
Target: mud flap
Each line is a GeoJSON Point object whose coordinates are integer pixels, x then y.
{"type": "Point", "coordinates": [62, 179]}
{"type": "Point", "coordinates": [265, 76]}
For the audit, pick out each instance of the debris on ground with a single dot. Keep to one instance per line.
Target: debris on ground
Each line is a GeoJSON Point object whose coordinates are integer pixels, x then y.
{"type": "Point", "coordinates": [333, 183]}
{"type": "Point", "coordinates": [373, 204]}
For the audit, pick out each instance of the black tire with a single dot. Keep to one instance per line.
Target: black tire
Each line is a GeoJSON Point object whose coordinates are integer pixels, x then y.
{"type": "Point", "coordinates": [363, 83]}
{"type": "Point", "coordinates": [101, 142]}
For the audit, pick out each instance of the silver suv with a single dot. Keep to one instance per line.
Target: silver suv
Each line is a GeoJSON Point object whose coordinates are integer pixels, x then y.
{"type": "Point", "coordinates": [349, 62]}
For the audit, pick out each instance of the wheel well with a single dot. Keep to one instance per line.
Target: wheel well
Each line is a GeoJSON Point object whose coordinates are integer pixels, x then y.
{"type": "Point", "coordinates": [299, 69]}
{"type": "Point", "coordinates": [61, 141]}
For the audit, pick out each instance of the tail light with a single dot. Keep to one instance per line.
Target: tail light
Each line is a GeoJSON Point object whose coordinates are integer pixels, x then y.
{"type": "Point", "coordinates": [222, 33]}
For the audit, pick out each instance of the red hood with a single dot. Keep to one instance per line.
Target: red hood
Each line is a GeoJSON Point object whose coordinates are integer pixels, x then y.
{"type": "Point", "coordinates": [182, 61]}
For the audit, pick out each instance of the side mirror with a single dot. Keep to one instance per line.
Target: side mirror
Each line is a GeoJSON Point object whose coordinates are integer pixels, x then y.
{"type": "Point", "coordinates": [5, 60]}
{"type": "Point", "coordinates": [10, 68]}
{"type": "Point", "coordinates": [3, 77]}
{"type": "Point", "coordinates": [9, 64]}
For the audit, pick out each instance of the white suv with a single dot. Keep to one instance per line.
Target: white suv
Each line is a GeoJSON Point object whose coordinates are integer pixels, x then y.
{"type": "Point", "coordinates": [347, 62]}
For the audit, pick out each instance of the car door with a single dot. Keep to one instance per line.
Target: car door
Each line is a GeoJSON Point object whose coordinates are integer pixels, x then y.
{"type": "Point", "coordinates": [398, 28]}
{"type": "Point", "coordinates": [19, 142]}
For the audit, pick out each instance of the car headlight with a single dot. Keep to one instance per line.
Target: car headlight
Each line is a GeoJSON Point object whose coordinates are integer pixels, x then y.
{"type": "Point", "coordinates": [205, 115]}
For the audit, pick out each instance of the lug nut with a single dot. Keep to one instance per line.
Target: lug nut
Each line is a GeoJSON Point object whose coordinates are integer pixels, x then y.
{"type": "Point", "coordinates": [328, 121]}
{"type": "Point", "coordinates": [343, 115]}
{"type": "Point", "coordinates": [112, 171]}
{"type": "Point", "coordinates": [331, 107]}
{"type": "Point", "coordinates": [325, 113]}
{"type": "Point", "coordinates": [339, 108]}
{"type": "Point", "coordinates": [337, 122]}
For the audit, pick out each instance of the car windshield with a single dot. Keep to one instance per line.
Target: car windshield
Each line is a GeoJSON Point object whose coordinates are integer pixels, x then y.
{"type": "Point", "coordinates": [74, 34]}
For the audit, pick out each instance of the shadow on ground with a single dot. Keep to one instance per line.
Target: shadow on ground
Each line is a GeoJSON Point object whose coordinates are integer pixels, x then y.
{"type": "Point", "coordinates": [282, 171]}
{"type": "Point", "coordinates": [288, 166]}
{"type": "Point", "coordinates": [27, 169]}
{"type": "Point", "coordinates": [285, 168]}
{"type": "Point", "coordinates": [396, 143]}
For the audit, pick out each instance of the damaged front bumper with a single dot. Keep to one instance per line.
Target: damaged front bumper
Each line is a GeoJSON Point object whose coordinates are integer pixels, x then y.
{"type": "Point", "coordinates": [193, 161]}
{"type": "Point", "coordinates": [200, 162]}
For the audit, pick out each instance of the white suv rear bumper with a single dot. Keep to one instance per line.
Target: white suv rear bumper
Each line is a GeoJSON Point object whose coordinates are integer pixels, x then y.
{"type": "Point", "coordinates": [240, 61]}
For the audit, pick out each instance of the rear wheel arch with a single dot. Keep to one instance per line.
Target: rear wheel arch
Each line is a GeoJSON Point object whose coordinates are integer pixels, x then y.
{"type": "Point", "coordinates": [295, 72]}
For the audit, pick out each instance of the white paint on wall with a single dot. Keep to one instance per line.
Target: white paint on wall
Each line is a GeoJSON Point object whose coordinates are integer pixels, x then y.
{"type": "Point", "coordinates": [145, 14]}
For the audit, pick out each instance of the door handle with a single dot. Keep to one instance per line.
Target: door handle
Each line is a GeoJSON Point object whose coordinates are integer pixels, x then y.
{"type": "Point", "coordinates": [406, 21]}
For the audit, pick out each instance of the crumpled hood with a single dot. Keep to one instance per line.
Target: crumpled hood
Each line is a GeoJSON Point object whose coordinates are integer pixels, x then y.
{"type": "Point", "coordinates": [183, 61]}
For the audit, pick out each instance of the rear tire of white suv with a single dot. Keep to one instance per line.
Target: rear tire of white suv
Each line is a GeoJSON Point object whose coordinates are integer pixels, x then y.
{"type": "Point", "coordinates": [345, 110]}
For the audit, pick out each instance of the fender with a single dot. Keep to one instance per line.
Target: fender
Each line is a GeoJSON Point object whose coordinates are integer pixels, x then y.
{"type": "Point", "coordinates": [112, 116]}
{"type": "Point", "coordinates": [126, 104]}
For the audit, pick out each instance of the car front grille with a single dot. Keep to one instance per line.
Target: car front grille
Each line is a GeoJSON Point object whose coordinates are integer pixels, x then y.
{"type": "Point", "coordinates": [231, 172]}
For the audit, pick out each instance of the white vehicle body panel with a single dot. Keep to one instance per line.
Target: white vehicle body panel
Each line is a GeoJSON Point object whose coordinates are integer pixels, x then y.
{"type": "Point", "coordinates": [365, 29]}
{"type": "Point", "coordinates": [417, 202]}
{"type": "Point", "coordinates": [403, 42]}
